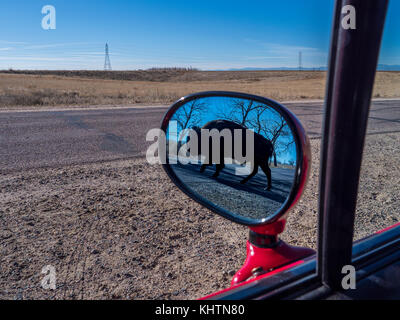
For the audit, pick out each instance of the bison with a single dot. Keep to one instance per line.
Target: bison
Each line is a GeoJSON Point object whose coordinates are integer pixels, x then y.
{"type": "Point", "coordinates": [263, 149]}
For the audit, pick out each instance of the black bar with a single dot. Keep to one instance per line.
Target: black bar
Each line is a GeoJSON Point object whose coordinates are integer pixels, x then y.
{"type": "Point", "coordinates": [263, 240]}
{"type": "Point", "coordinates": [354, 56]}
{"type": "Point", "coordinates": [325, 128]}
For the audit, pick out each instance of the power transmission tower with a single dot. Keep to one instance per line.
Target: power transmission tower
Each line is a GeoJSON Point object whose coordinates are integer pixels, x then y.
{"type": "Point", "coordinates": [107, 63]}
{"type": "Point", "coordinates": [300, 61]}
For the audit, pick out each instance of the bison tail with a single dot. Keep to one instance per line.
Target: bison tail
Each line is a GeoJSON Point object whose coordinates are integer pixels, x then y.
{"type": "Point", "coordinates": [273, 153]}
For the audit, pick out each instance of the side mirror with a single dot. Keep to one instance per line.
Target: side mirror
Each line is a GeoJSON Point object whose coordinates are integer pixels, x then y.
{"type": "Point", "coordinates": [246, 158]}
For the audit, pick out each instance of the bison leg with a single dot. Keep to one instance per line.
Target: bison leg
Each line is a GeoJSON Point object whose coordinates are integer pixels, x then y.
{"type": "Point", "coordinates": [255, 170]}
{"type": "Point", "coordinates": [203, 167]}
{"type": "Point", "coordinates": [267, 172]}
{"type": "Point", "coordinates": [219, 167]}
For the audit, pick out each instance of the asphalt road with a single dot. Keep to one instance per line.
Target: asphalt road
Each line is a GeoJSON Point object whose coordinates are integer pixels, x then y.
{"type": "Point", "coordinates": [37, 139]}
{"type": "Point", "coordinates": [250, 199]}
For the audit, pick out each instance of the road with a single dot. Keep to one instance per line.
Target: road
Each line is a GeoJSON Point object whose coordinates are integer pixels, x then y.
{"type": "Point", "coordinates": [37, 139]}
{"type": "Point", "coordinates": [250, 199]}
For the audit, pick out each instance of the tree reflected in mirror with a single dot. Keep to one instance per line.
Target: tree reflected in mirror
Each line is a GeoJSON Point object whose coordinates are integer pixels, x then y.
{"type": "Point", "coordinates": [237, 154]}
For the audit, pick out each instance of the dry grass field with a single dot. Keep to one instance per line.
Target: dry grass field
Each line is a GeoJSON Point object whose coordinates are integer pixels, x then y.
{"type": "Point", "coordinates": [55, 88]}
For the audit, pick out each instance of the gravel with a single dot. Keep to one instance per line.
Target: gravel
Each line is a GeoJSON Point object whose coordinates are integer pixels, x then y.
{"type": "Point", "coordinates": [122, 230]}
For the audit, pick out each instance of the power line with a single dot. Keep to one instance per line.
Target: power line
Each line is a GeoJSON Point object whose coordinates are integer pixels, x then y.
{"type": "Point", "coordinates": [107, 62]}
{"type": "Point", "coordinates": [300, 61]}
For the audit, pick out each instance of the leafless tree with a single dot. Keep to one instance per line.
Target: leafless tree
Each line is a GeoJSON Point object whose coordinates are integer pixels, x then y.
{"type": "Point", "coordinates": [189, 114]}
{"type": "Point", "coordinates": [255, 116]}
{"type": "Point", "coordinates": [241, 111]}
{"type": "Point", "coordinates": [277, 131]}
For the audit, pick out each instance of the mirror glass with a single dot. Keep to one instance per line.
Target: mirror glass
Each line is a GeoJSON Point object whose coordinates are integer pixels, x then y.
{"type": "Point", "coordinates": [235, 153]}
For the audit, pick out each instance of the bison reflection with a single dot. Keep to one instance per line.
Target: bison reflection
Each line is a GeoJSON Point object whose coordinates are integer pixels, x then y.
{"type": "Point", "coordinates": [262, 150]}
{"type": "Point", "coordinates": [220, 148]}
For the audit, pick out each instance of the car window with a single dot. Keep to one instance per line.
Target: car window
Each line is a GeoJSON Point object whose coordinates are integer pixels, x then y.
{"type": "Point", "coordinates": [379, 190]}
{"type": "Point", "coordinates": [77, 98]}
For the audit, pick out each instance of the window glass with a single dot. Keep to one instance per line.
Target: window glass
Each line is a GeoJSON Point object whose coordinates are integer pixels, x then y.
{"type": "Point", "coordinates": [81, 84]}
{"type": "Point", "coordinates": [379, 190]}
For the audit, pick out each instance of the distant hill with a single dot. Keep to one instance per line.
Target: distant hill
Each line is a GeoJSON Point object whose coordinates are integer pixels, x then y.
{"type": "Point", "coordinates": [381, 67]}
{"type": "Point", "coordinates": [275, 69]}
{"type": "Point", "coordinates": [388, 67]}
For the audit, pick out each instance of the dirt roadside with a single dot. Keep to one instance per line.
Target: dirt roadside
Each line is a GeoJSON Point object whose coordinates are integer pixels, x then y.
{"type": "Point", "coordinates": [122, 230]}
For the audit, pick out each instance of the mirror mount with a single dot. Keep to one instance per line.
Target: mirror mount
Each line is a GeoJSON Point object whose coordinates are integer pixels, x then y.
{"type": "Point", "coordinates": [266, 252]}
{"type": "Point", "coordinates": [272, 229]}
{"type": "Point", "coordinates": [206, 136]}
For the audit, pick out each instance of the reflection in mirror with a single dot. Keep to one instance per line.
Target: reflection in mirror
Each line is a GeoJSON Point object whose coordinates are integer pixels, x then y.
{"type": "Point", "coordinates": [238, 154]}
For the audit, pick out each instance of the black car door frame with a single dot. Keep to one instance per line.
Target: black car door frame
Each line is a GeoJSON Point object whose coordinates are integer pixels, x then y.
{"type": "Point", "coordinates": [352, 69]}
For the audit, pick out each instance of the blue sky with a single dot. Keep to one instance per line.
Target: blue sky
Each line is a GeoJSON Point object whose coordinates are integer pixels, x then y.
{"type": "Point", "coordinates": [157, 33]}
{"type": "Point", "coordinates": [224, 108]}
